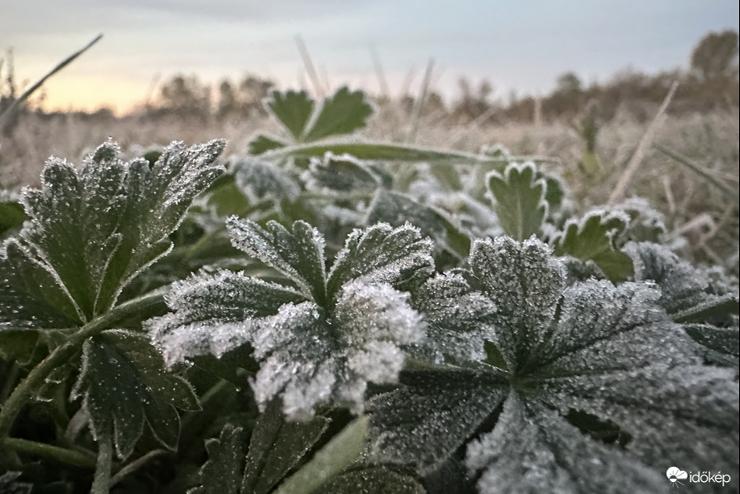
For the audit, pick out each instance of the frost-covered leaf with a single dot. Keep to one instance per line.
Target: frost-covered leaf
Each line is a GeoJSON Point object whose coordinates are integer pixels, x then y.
{"type": "Point", "coordinates": [687, 293]}
{"type": "Point", "coordinates": [380, 254]}
{"type": "Point", "coordinates": [343, 174]}
{"type": "Point", "coordinates": [432, 414]}
{"type": "Point", "coordinates": [525, 283]}
{"type": "Point", "coordinates": [692, 296]}
{"type": "Point", "coordinates": [292, 109]}
{"type": "Point", "coordinates": [259, 179]}
{"type": "Point", "coordinates": [92, 230]}
{"type": "Point", "coordinates": [720, 344]}
{"type": "Point", "coordinates": [518, 200]}
{"type": "Point", "coordinates": [343, 449]}
{"type": "Point", "coordinates": [209, 313]}
{"type": "Point", "coordinates": [341, 113]}
{"type": "Point", "coordinates": [320, 344]}
{"type": "Point", "coordinates": [590, 347]}
{"type": "Point", "coordinates": [124, 385]}
{"type": "Point", "coordinates": [592, 238]}
{"type": "Point", "coordinates": [276, 447]}
{"type": "Point", "coordinates": [533, 449]}
{"type": "Point", "coordinates": [646, 224]}
{"type": "Point", "coordinates": [298, 254]}
{"type": "Point", "coordinates": [398, 209]}
{"type": "Point", "coordinates": [373, 480]}
{"type": "Point", "coordinates": [309, 360]}
{"type": "Point", "coordinates": [459, 319]}
{"type": "Point", "coordinates": [221, 473]}
{"type": "Point", "coordinates": [262, 143]}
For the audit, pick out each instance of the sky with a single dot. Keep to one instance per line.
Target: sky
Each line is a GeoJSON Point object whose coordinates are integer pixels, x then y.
{"type": "Point", "coordinates": [519, 46]}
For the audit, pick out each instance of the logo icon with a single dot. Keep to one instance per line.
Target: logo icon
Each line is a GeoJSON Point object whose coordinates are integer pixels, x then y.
{"type": "Point", "coordinates": [675, 475]}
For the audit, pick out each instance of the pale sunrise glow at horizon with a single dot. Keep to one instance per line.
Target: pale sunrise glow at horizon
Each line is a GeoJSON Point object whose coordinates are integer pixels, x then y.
{"type": "Point", "coordinates": [521, 47]}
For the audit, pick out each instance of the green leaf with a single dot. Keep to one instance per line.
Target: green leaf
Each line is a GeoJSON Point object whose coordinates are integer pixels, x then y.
{"type": "Point", "coordinates": [533, 449]}
{"type": "Point", "coordinates": [398, 209]}
{"type": "Point", "coordinates": [124, 385]}
{"type": "Point", "coordinates": [592, 238]}
{"type": "Point", "coordinates": [432, 414]}
{"type": "Point", "coordinates": [157, 199]}
{"type": "Point", "coordinates": [18, 345]}
{"type": "Point", "coordinates": [519, 200]}
{"type": "Point", "coordinates": [343, 450]}
{"type": "Point", "coordinates": [276, 447]}
{"type": "Point", "coordinates": [12, 215]}
{"type": "Point", "coordinates": [343, 174]}
{"type": "Point", "coordinates": [221, 473]}
{"type": "Point", "coordinates": [584, 348]}
{"type": "Point", "coordinates": [298, 254]}
{"type": "Point", "coordinates": [259, 179]}
{"type": "Point", "coordinates": [689, 294]}
{"type": "Point", "coordinates": [373, 480]}
{"type": "Point", "coordinates": [92, 230]}
{"type": "Point", "coordinates": [383, 151]}
{"type": "Point", "coordinates": [207, 303]}
{"type": "Point", "coordinates": [380, 253]}
{"type": "Point", "coordinates": [262, 143]}
{"type": "Point", "coordinates": [292, 109]}
{"type": "Point", "coordinates": [342, 113]}
{"type": "Point", "coordinates": [720, 344]}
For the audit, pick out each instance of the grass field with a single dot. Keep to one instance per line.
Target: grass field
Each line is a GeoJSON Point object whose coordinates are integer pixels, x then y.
{"type": "Point", "coordinates": [701, 213]}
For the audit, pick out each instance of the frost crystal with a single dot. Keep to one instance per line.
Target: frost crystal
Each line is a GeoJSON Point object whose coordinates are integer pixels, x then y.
{"type": "Point", "coordinates": [318, 341]}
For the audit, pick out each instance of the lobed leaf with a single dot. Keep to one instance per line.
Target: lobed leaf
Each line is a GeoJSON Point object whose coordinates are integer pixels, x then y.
{"type": "Point", "coordinates": [221, 473]}
{"type": "Point", "coordinates": [344, 173]}
{"type": "Point", "coordinates": [519, 200]}
{"type": "Point", "coordinates": [91, 231]}
{"type": "Point", "coordinates": [276, 447]}
{"type": "Point", "coordinates": [380, 254]}
{"type": "Point", "coordinates": [298, 254]}
{"type": "Point", "coordinates": [398, 209]}
{"type": "Point", "coordinates": [292, 109]}
{"type": "Point", "coordinates": [342, 113]}
{"type": "Point", "coordinates": [592, 238]}
{"type": "Point", "coordinates": [124, 384]}
{"type": "Point", "coordinates": [329, 461]}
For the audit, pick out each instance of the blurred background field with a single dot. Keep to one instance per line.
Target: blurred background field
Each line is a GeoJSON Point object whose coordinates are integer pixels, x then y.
{"type": "Point", "coordinates": [689, 171]}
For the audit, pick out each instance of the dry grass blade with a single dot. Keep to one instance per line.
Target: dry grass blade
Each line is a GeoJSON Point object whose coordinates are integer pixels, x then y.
{"type": "Point", "coordinates": [310, 68]}
{"type": "Point", "coordinates": [5, 117]}
{"type": "Point", "coordinates": [726, 189]}
{"type": "Point", "coordinates": [385, 91]}
{"type": "Point", "coordinates": [642, 147]}
{"type": "Point", "coordinates": [419, 103]}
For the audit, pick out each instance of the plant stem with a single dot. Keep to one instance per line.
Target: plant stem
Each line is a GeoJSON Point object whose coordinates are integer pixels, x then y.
{"type": "Point", "coordinates": [43, 450]}
{"type": "Point", "coordinates": [101, 481]}
{"type": "Point", "coordinates": [135, 465]}
{"type": "Point", "coordinates": [149, 304]}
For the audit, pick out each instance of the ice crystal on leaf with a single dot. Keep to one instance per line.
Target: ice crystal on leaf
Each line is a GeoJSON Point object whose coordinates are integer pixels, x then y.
{"type": "Point", "coordinates": [319, 336]}
{"type": "Point", "coordinates": [555, 353]}
{"type": "Point", "coordinates": [92, 230]}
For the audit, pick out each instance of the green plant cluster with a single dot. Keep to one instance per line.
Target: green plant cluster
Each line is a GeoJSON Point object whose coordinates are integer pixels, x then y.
{"type": "Point", "coordinates": [324, 314]}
